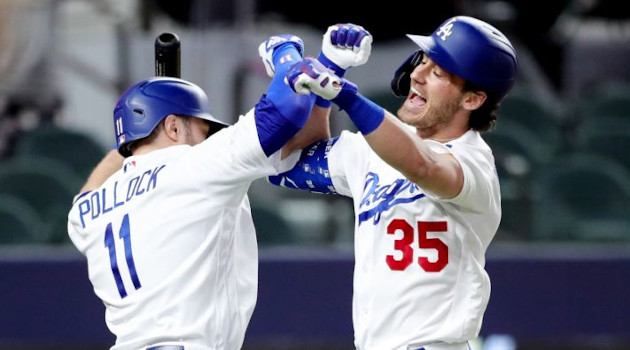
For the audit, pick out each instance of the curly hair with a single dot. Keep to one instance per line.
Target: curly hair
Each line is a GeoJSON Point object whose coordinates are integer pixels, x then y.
{"type": "Point", "coordinates": [483, 118]}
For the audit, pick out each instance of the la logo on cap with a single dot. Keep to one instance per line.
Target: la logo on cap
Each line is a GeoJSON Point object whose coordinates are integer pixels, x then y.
{"type": "Point", "coordinates": [446, 29]}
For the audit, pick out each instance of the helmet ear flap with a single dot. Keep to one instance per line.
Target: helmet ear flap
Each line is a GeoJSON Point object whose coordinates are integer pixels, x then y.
{"type": "Point", "coordinates": [402, 77]}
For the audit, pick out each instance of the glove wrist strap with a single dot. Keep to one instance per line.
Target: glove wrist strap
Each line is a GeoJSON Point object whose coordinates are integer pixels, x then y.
{"type": "Point", "coordinates": [340, 72]}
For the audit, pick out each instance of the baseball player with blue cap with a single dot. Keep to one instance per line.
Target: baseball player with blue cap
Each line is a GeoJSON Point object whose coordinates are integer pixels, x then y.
{"type": "Point", "coordinates": [164, 220]}
{"type": "Point", "coordinates": [424, 184]}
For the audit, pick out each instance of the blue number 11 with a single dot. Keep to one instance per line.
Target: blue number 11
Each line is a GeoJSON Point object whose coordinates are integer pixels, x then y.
{"type": "Point", "coordinates": [110, 244]}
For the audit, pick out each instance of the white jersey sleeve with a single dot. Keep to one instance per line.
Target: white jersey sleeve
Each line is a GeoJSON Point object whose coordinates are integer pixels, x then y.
{"type": "Point", "coordinates": [348, 160]}
{"type": "Point", "coordinates": [235, 152]}
{"type": "Point", "coordinates": [477, 166]}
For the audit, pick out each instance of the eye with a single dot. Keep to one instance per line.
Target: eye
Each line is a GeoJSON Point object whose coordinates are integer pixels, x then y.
{"type": "Point", "coordinates": [437, 73]}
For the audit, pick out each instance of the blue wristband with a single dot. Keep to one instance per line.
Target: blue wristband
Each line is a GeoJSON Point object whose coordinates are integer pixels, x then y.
{"type": "Point", "coordinates": [340, 72]}
{"type": "Point", "coordinates": [365, 114]}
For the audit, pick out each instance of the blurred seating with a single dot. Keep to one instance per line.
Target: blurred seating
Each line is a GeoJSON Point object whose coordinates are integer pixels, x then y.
{"type": "Point", "coordinates": [611, 100]}
{"type": "Point", "coordinates": [612, 144]}
{"type": "Point", "coordinates": [536, 116]}
{"type": "Point", "coordinates": [518, 153]}
{"type": "Point", "coordinates": [603, 123]}
{"type": "Point", "coordinates": [517, 150]}
{"type": "Point", "coordinates": [45, 184]}
{"type": "Point", "coordinates": [271, 228]}
{"type": "Point", "coordinates": [75, 149]}
{"type": "Point", "coordinates": [583, 197]}
{"type": "Point", "coordinates": [19, 222]}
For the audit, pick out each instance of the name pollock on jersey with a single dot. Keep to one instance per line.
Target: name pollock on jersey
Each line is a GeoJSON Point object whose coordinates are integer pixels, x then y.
{"type": "Point", "coordinates": [110, 198]}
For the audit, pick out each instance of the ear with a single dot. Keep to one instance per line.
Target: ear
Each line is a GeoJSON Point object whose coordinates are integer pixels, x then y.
{"type": "Point", "coordinates": [473, 99]}
{"type": "Point", "coordinates": [171, 127]}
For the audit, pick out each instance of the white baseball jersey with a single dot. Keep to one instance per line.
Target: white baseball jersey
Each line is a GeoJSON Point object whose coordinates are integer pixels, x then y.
{"type": "Point", "coordinates": [419, 273]}
{"type": "Point", "coordinates": [170, 242]}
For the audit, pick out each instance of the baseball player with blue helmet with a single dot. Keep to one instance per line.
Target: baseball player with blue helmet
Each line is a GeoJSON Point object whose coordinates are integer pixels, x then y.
{"type": "Point", "coordinates": [424, 185]}
{"type": "Point", "coordinates": [164, 221]}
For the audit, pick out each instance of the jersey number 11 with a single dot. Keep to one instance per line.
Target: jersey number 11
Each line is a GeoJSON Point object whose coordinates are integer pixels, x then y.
{"type": "Point", "coordinates": [110, 244]}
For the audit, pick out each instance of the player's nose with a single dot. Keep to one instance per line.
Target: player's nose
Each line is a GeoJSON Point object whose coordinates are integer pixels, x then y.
{"type": "Point", "coordinates": [419, 74]}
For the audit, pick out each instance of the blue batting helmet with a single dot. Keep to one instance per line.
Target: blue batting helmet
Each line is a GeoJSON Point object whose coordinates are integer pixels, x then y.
{"type": "Point", "coordinates": [141, 108]}
{"type": "Point", "coordinates": [471, 49]}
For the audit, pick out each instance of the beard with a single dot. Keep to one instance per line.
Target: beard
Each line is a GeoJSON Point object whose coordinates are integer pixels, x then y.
{"type": "Point", "coordinates": [431, 116]}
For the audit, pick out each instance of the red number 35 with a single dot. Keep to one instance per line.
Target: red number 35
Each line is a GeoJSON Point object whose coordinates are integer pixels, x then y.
{"type": "Point", "coordinates": [403, 245]}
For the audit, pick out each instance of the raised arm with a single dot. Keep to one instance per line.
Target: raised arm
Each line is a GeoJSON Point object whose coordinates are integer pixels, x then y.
{"type": "Point", "coordinates": [409, 154]}
{"type": "Point", "coordinates": [343, 46]}
{"type": "Point", "coordinates": [393, 142]}
{"type": "Point", "coordinates": [281, 113]}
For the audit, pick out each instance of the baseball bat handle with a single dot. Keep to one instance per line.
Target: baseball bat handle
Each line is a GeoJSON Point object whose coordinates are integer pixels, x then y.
{"type": "Point", "coordinates": [168, 55]}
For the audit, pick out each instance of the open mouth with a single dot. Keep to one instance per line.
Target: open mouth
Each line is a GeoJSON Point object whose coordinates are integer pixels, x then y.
{"type": "Point", "coordinates": [415, 100]}
{"type": "Point", "coordinates": [413, 93]}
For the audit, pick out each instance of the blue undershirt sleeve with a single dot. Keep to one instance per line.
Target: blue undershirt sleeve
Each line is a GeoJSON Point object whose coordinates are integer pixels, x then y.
{"type": "Point", "coordinates": [311, 173]}
{"type": "Point", "coordinates": [281, 112]}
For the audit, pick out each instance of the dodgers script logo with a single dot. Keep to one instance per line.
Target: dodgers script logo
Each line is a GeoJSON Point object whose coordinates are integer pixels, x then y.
{"type": "Point", "coordinates": [381, 198]}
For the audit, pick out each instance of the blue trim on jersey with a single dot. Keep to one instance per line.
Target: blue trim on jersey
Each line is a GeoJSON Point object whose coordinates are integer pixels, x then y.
{"type": "Point", "coordinates": [82, 195]}
{"type": "Point", "coordinates": [311, 171]}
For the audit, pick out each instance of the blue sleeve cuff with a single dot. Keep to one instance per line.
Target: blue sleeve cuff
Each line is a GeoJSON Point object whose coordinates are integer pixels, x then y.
{"type": "Point", "coordinates": [274, 130]}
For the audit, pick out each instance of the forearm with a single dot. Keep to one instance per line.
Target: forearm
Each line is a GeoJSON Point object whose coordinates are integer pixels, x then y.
{"type": "Point", "coordinates": [316, 128]}
{"type": "Point", "coordinates": [401, 149]}
{"type": "Point", "coordinates": [111, 163]}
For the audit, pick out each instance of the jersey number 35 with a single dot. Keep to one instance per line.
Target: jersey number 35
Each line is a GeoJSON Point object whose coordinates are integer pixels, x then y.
{"type": "Point", "coordinates": [403, 245]}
